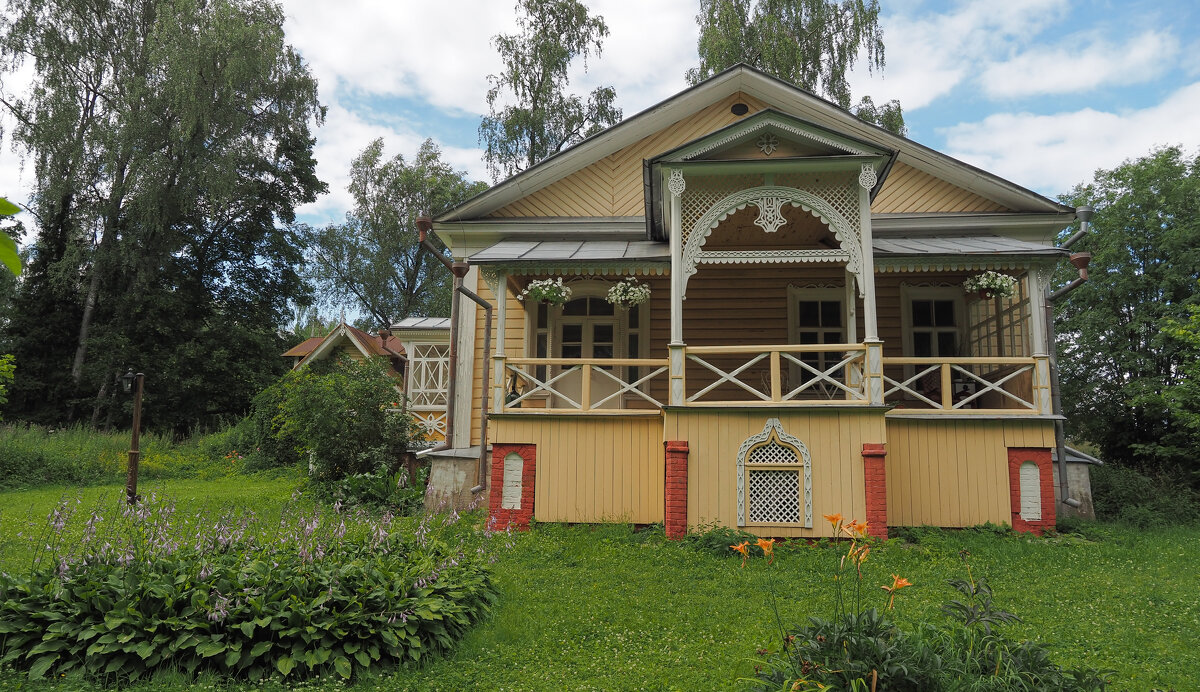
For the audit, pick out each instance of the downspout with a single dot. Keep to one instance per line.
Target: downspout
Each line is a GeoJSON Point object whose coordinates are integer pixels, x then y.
{"type": "Point", "coordinates": [1080, 260]}
{"type": "Point", "coordinates": [459, 270]}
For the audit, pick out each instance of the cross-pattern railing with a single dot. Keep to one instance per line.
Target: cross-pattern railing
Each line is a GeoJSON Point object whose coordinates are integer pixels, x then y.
{"type": "Point", "coordinates": [836, 377]}
{"type": "Point", "coordinates": [963, 385]}
{"type": "Point", "coordinates": [608, 385]}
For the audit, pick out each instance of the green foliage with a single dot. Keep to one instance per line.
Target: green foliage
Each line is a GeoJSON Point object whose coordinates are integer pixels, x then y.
{"type": "Point", "coordinates": [380, 490]}
{"type": "Point", "coordinates": [1125, 495]}
{"type": "Point", "coordinates": [810, 43]}
{"type": "Point", "coordinates": [717, 540]}
{"type": "Point", "coordinates": [374, 262]}
{"type": "Point", "coordinates": [542, 119]}
{"type": "Point", "coordinates": [33, 456]}
{"type": "Point", "coordinates": [1127, 369]}
{"type": "Point", "coordinates": [171, 143]}
{"type": "Point", "coordinates": [862, 649]}
{"type": "Point", "coordinates": [342, 421]}
{"type": "Point", "coordinates": [9, 256]}
{"type": "Point", "coordinates": [7, 367]}
{"type": "Point", "coordinates": [263, 429]}
{"type": "Point", "coordinates": [137, 595]}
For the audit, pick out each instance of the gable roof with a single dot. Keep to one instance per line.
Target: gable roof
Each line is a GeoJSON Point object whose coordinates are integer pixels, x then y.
{"type": "Point", "coordinates": [304, 347]}
{"type": "Point", "coordinates": [785, 97]}
{"type": "Point", "coordinates": [369, 345]}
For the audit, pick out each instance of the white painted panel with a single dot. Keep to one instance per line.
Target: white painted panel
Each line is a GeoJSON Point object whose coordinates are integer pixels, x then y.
{"type": "Point", "coordinates": [1031, 492]}
{"type": "Point", "coordinates": [514, 465]}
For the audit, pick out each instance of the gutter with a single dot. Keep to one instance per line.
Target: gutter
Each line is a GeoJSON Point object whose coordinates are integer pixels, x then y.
{"type": "Point", "coordinates": [1080, 260]}
{"type": "Point", "coordinates": [459, 270]}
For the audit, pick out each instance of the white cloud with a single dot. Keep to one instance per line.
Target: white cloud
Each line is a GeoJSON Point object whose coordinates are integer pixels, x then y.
{"type": "Point", "coordinates": [1071, 69]}
{"type": "Point", "coordinates": [929, 54]}
{"type": "Point", "coordinates": [436, 51]}
{"type": "Point", "coordinates": [1053, 153]}
{"type": "Point", "coordinates": [344, 135]}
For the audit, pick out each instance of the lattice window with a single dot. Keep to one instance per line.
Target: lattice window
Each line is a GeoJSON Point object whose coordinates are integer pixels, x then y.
{"type": "Point", "coordinates": [1002, 333]}
{"type": "Point", "coordinates": [429, 368]}
{"type": "Point", "coordinates": [774, 479]}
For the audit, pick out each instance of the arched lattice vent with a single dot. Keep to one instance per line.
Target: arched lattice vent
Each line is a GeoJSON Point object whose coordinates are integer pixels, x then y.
{"type": "Point", "coordinates": [774, 479]}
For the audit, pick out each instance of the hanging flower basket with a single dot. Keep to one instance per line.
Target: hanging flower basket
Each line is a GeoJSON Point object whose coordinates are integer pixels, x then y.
{"type": "Point", "coordinates": [990, 285]}
{"type": "Point", "coordinates": [628, 293]}
{"type": "Point", "coordinates": [547, 291]}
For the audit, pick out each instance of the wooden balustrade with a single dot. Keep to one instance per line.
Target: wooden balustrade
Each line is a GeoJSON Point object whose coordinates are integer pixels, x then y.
{"type": "Point", "coordinates": [840, 383]}
{"type": "Point", "coordinates": [966, 385]}
{"type": "Point", "coordinates": [576, 385]}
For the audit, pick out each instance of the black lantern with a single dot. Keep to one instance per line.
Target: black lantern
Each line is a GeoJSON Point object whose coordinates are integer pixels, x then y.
{"type": "Point", "coordinates": [127, 381]}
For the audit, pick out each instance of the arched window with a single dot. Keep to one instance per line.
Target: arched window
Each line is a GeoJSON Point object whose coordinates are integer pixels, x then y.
{"type": "Point", "coordinates": [774, 479]}
{"type": "Point", "coordinates": [1031, 491]}
{"type": "Point", "coordinates": [514, 468]}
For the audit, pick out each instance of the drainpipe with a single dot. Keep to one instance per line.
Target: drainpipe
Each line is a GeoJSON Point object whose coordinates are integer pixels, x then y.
{"type": "Point", "coordinates": [1080, 260]}
{"type": "Point", "coordinates": [459, 270]}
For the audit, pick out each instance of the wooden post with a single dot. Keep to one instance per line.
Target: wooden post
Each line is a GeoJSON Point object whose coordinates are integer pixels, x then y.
{"type": "Point", "coordinates": [134, 454]}
{"type": "Point", "coordinates": [776, 384]}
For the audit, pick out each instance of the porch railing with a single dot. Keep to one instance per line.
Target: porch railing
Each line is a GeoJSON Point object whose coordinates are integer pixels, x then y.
{"type": "Point", "coordinates": [556, 385]}
{"type": "Point", "coordinates": [766, 375]}
{"type": "Point", "coordinates": [773, 375]}
{"type": "Point", "coordinates": [966, 385]}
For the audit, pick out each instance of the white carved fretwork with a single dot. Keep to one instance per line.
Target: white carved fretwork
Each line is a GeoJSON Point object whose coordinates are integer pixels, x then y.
{"type": "Point", "coordinates": [771, 256]}
{"type": "Point", "coordinates": [772, 488]}
{"type": "Point", "coordinates": [676, 184]}
{"type": "Point", "coordinates": [429, 375]}
{"type": "Point", "coordinates": [739, 133]}
{"type": "Point", "coordinates": [867, 177]}
{"type": "Point", "coordinates": [767, 143]}
{"type": "Point", "coordinates": [846, 234]}
{"type": "Point", "coordinates": [770, 214]}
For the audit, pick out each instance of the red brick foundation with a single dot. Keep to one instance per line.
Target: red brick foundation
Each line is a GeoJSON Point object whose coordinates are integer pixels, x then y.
{"type": "Point", "coordinates": [1040, 456]}
{"type": "Point", "coordinates": [676, 488]}
{"type": "Point", "coordinates": [875, 475]}
{"type": "Point", "coordinates": [502, 518]}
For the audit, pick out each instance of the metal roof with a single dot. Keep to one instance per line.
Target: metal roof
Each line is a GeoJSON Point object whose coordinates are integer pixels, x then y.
{"type": "Point", "coordinates": [1074, 456]}
{"type": "Point", "coordinates": [960, 245]}
{"type": "Point", "coordinates": [574, 250]}
{"type": "Point", "coordinates": [423, 323]}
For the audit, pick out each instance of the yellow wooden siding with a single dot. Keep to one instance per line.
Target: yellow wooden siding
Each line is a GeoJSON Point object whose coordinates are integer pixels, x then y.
{"type": "Point", "coordinates": [514, 343]}
{"type": "Point", "coordinates": [954, 472]}
{"type": "Point", "coordinates": [834, 439]}
{"type": "Point", "coordinates": [592, 469]}
{"type": "Point", "coordinates": [908, 190]}
{"type": "Point", "coordinates": [612, 186]}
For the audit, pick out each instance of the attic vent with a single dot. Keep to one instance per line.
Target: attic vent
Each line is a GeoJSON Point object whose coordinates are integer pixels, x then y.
{"type": "Point", "coordinates": [739, 109]}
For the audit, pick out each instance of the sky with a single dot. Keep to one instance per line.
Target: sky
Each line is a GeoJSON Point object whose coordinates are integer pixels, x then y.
{"type": "Point", "coordinates": [1041, 92]}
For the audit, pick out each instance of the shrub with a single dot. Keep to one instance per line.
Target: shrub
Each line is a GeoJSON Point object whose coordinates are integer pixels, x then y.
{"type": "Point", "coordinates": [141, 594]}
{"type": "Point", "coordinates": [717, 540]}
{"type": "Point", "coordinates": [1126, 495]}
{"type": "Point", "coordinates": [379, 490]}
{"type": "Point", "coordinates": [344, 421]}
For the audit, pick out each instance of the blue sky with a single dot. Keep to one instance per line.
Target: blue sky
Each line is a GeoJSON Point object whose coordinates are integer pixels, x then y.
{"type": "Point", "coordinates": [1042, 92]}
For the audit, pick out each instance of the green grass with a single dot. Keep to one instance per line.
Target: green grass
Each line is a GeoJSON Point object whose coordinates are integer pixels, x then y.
{"type": "Point", "coordinates": [586, 608]}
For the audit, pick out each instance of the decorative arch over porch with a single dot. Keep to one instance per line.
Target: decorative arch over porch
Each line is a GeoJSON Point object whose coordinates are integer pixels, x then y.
{"type": "Point", "coordinates": [770, 200]}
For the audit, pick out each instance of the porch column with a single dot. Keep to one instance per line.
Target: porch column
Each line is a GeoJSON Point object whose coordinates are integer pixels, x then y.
{"type": "Point", "coordinates": [676, 186]}
{"type": "Point", "coordinates": [498, 375]}
{"type": "Point", "coordinates": [1036, 286]}
{"type": "Point", "coordinates": [870, 325]}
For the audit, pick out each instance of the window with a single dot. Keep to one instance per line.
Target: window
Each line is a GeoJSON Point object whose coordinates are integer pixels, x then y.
{"type": "Point", "coordinates": [774, 479]}
{"type": "Point", "coordinates": [816, 316]}
{"type": "Point", "coordinates": [932, 321]}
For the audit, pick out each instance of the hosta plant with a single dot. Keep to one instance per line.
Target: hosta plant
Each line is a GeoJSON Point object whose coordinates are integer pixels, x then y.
{"type": "Point", "coordinates": [325, 594]}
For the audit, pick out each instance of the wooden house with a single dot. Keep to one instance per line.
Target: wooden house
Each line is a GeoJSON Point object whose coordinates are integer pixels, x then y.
{"type": "Point", "coordinates": [808, 346]}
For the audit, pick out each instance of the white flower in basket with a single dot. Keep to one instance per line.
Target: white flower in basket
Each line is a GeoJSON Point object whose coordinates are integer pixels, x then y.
{"type": "Point", "coordinates": [991, 284]}
{"type": "Point", "coordinates": [628, 293]}
{"type": "Point", "coordinates": [549, 291]}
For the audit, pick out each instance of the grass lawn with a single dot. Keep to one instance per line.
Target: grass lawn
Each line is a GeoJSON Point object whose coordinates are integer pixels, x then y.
{"type": "Point", "coordinates": [606, 608]}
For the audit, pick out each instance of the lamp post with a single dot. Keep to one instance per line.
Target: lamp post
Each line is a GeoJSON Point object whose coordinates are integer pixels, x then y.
{"type": "Point", "coordinates": [127, 384]}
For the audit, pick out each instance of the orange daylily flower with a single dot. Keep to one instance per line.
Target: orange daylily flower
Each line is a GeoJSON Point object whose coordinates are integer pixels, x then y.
{"type": "Point", "coordinates": [741, 548]}
{"type": "Point", "coordinates": [834, 520]}
{"type": "Point", "coordinates": [898, 582]}
{"type": "Point", "coordinates": [768, 548]}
